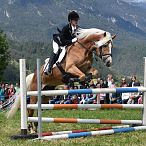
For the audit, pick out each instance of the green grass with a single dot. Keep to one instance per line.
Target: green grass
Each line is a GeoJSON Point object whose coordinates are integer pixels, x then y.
{"type": "Point", "coordinates": [12, 127]}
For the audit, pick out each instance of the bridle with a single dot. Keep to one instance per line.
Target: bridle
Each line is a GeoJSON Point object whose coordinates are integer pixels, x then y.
{"type": "Point", "coordinates": [101, 54]}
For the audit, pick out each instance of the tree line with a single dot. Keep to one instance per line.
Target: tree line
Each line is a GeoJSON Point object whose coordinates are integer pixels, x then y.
{"type": "Point", "coordinates": [4, 53]}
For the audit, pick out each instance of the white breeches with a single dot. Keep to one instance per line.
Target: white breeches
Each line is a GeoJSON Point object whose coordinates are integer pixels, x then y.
{"type": "Point", "coordinates": [55, 47]}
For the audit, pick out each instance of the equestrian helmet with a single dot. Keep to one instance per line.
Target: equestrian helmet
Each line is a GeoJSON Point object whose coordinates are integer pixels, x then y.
{"type": "Point", "coordinates": [73, 16]}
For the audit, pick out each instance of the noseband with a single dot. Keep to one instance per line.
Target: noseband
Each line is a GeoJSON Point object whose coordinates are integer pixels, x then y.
{"type": "Point", "coordinates": [101, 54]}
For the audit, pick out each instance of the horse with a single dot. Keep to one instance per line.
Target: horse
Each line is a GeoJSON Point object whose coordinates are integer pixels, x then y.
{"type": "Point", "coordinates": [77, 62]}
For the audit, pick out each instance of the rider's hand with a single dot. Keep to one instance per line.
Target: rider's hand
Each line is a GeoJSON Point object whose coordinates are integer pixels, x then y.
{"type": "Point", "coordinates": [74, 40]}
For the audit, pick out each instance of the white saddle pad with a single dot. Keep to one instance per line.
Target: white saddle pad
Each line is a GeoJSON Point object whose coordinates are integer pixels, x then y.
{"type": "Point", "coordinates": [61, 56]}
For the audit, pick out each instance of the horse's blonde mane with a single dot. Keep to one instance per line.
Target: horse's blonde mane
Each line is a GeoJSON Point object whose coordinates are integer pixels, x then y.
{"type": "Point", "coordinates": [82, 33]}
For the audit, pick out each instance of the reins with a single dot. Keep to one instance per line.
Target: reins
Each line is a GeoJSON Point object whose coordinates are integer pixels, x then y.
{"type": "Point", "coordinates": [82, 45]}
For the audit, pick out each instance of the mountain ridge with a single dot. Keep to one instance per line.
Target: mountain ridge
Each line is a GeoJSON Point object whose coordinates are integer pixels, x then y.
{"type": "Point", "coordinates": [25, 21]}
{"type": "Point", "coordinates": [16, 16]}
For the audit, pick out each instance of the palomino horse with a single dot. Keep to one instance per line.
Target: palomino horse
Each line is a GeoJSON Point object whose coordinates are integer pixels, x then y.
{"type": "Point", "coordinates": [78, 60]}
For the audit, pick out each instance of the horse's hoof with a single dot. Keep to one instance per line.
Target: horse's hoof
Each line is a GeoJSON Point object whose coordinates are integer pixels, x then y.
{"type": "Point", "coordinates": [32, 131]}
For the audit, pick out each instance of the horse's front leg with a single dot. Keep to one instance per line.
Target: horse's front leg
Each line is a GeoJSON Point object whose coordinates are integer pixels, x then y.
{"type": "Point", "coordinates": [76, 72]}
{"type": "Point", "coordinates": [32, 128]}
{"type": "Point", "coordinates": [94, 72]}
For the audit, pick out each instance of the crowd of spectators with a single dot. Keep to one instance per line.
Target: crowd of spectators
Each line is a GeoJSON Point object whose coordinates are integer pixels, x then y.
{"type": "Point", "coordinates": [123, 98]}
{"type": "Point", "coordinates": [8, 90]}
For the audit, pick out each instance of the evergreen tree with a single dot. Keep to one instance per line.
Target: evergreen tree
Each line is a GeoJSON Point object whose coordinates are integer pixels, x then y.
{"type": "Point", "coordinates": [4, 53]}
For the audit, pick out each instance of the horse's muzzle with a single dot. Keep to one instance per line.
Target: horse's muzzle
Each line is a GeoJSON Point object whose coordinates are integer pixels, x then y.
{"type": "Point", "coordinates": [108, 64]}
{"type": "Point", "coordinates": [108, 61]}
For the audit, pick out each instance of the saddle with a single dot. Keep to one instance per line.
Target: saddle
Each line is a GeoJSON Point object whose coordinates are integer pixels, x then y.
{"type": "Point", "coordinates": [61, 55]}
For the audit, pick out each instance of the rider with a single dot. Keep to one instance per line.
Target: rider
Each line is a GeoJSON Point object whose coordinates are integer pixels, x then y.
{"type": "Point", "coordinates": [65, 38]}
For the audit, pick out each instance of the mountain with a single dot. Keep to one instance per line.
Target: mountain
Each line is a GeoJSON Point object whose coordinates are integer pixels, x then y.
{"type": "Point", "coordinates": [139, 3]}
{"type": "Point", "coordinates": [135, 1]}
{"type": "Point", "coordinates": [25, 20]}
{"type": "Point", "coordinates": [36, 20]}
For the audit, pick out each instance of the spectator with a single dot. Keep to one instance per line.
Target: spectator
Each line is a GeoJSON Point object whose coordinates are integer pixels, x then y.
{"type": "Point", "coordinates": [92, 84]}
{"type": "Point", "coordinates": [56, 99]}
{"type": "Point", "coordinates": [67, 99]}
{"type": "Point", "coordinates": [100, 96]}
{"type": "Point", "coordinates": [2, 93]}
{"type": "Point", "coordinates": [11, 91]}
{"type": "Point", "coordinates": [134, 82]}
{"type": "Point", "coordinates": [84, 85]}
{"type": "Point", "coordinates": [98, 81]}
{"type": "Point", "coordinates": [125, 96]}
{"type": "Point", "coordinates": [6, 93]}
{"type": "Point", "coordinates": [140, 99]}
{"type": "Point", "coordinates": [108, 83]}
{"type": "Point", "coordinates": [109, 80]}
{"type": "Point", "coordinates": [123, 83]}
{"type": "Point", "coordinates": [17, 88]}
{"type": "Point", "coordinates": [102, 83]}
{"type": "Point", "coordinates": [75, 99]}
{"type": "Point", "coordinates": [134, 96]}
{"type": "Point", "coordinates": [83, 99]}
{"type": "Point", "coordinates": [112, 96]}
{"type": "Point", "coordinates": [91, 98]}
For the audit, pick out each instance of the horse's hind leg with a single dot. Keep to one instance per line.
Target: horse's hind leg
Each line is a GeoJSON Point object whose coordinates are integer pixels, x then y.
{"type": "Point", "coordinates": [45, 100]}
{"type": "Point", "coordinates": [31, 127]}
{"type": "Point", "coordinates": [76, 72]}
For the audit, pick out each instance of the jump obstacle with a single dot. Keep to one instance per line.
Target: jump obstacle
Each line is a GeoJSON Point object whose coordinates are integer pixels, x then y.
{"type": "Point", "coordinates": [82, 130]}
{"type": "Point", "coordinates": [76, 133]}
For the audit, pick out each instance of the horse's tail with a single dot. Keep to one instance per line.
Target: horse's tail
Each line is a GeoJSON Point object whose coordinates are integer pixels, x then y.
{"type": "Point", "coordinates": [16, 105]}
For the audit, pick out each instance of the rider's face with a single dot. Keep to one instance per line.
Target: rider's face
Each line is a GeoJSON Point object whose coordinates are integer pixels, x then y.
{"type": "Point", "coordinates": [74, 22]}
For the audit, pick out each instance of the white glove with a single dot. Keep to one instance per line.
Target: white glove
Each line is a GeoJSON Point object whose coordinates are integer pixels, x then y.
{"type": "Point", "coordinates": [74, 40]}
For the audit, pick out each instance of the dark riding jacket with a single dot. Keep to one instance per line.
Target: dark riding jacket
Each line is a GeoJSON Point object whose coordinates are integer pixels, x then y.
{"type": "Point", "coordinates": [64, 38]}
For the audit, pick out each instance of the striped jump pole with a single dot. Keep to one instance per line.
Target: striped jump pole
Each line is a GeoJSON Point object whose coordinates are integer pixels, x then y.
{"type": "Point", "coordinates": [82, 130]}
{"type": "Point", "coordinates": [85, 121]}
{"type": "Point", "coordinates": [88, 91]}
{"type": "Point", "coordinates": [85, 106]}
{"type": "Point", "coordinates": [93, 133]}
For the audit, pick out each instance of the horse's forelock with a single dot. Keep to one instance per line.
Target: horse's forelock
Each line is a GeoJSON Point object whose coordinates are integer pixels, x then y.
{"type": "Point", "coordinates": [108, 36]}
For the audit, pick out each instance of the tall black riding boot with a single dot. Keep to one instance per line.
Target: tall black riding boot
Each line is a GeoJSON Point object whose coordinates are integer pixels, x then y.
{"type": "Point", "coordinates": [53, 59]}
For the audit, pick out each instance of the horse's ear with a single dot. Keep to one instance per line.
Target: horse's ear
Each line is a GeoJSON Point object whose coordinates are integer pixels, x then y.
{"type": "Point", "coordinates": [113, 36]}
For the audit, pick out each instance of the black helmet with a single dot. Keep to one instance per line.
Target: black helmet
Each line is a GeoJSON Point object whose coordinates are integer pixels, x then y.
{"type": "Point", "coordinates": [73, 16]}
